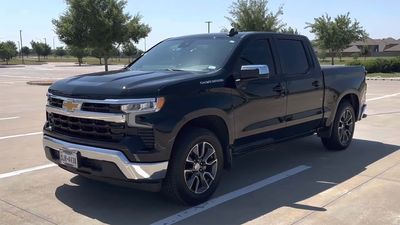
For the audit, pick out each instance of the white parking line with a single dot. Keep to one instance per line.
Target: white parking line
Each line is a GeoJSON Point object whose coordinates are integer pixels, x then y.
{"type": "Point", "coordinates": [385, 96]}
{"type": "Point", "coordinates": [28, 77]}
{"type": "Point", "coordinates": [229, 196]}
{"type": "Point", "coordinates": [20, 135]}
{"type": "Point", "coordinates": [19, 172]}
{"type": "Point", "coordinates": [9, 118]}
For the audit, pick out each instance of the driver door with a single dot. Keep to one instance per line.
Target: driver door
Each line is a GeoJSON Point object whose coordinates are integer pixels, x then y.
{"type": "Point", "coordinates": [259, 103]}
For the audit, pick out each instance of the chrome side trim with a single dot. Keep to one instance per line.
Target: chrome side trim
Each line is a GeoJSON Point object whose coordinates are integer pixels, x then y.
{"type": "Point", "coordinates": [105, 101]}
{"type": "Point", "coordinates": [133, 171]}
{"type": "Point", "coordinates": [110, 117]}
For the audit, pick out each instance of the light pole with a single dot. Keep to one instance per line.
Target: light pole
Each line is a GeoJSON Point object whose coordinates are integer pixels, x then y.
{"type": "Point", "coordinates": [22, 55]}
{"type": "Point", "coordinates": [53, 43]}
{"type": "Point", "coordinates": [208, 25]}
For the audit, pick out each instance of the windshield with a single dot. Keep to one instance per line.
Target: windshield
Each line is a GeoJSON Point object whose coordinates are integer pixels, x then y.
{"type": "Point", "coordinates": [187, 54]}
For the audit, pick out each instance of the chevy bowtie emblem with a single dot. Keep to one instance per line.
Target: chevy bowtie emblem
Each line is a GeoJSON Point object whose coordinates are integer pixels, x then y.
{"type": "Point", "coordinates": [70, 106]}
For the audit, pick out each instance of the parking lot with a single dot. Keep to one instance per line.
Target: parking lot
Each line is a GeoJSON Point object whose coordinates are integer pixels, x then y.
{"type": "Point", "coordinates": [295, 182]}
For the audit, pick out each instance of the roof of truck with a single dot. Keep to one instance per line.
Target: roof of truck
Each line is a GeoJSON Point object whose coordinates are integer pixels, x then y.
{"type": "Point", "coordinates": [238, 35]}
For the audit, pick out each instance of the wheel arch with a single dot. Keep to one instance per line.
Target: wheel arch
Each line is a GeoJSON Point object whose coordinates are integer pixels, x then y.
{"type": "Point", "coordinates": [215, 121]}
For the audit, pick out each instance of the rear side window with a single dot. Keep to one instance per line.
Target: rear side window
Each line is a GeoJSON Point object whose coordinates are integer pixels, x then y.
{"type": "Point", "coordinates": [257, 52]}
{"type": "Point", "coordinates": [293, 56]}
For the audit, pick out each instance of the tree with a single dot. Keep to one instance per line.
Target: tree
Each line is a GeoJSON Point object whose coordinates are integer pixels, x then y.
{"type": "Point", "coordinates": [254, 15]}
{"type": "Point", "coordinates": [60, 51]}
{"type": "Point", "coordinates": [25, 50]}
{"type": "Point", "coordinates": [78, 52]}
{"type": "Point", "coordinates": [289, 30]}
{"type": "Point", "coordinates": [322, 55]}
{"type": "Point", "coordinates": [41, 49]}
{"type": "Point", "coordinates": [365, 51]}
{"type": "Point", "coordinates": [97, 53]}
{"type": "Point", "coordinates": [8, 50]}
{"type": "Point", "coordinates": [335, 35]}
{"type": "Point", "coordinates": [100, 25]}
{"type": "Point", "coordinates": [46, 50]}
{"type": "Point", "coordinates": [128, 49]}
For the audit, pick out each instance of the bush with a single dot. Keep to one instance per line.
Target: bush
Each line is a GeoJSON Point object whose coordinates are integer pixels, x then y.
{"type": "Point", "coordinates": [355, 55]}
{"type": "Point", "coordinates": [379, 65]}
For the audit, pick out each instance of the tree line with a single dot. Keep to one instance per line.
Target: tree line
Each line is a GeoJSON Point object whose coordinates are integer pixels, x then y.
{"type": "Point", "coordinates": [8, 50]}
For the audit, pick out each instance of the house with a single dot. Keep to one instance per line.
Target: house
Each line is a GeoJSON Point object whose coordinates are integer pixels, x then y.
{"type": "Point", "coordinates": [377, 47]}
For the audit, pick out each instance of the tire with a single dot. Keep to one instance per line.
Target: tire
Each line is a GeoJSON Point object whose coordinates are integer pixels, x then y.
{"type": "Point", "coordinates": [343, 128]}
{"type": "Point", "coordinates": [193, 174]}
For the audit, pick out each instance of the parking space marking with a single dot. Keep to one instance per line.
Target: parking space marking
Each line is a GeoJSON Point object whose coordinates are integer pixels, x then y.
{"type": "Point", "coordinates": [229, 196]}
{"type": "Point", "coordinates": [10, 118]}
{"type": "Point", "coordinates": [20, 135]}
{"type": "Point", "coordinates": [19, 172]}
{"type": "Point", "coordinates": [385, 96]}
{"type": "Point", "coordinates": [28, 77]}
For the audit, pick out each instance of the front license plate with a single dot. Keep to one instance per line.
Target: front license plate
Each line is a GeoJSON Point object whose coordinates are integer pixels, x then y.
{"type": "Point", "coordinates": [69, 158]}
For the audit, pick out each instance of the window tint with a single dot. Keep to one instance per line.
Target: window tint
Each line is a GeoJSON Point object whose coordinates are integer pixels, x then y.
{"type": "Point", "coordinates": [293, 57]}
{"type": "Point", "coordinates": [257, 52]}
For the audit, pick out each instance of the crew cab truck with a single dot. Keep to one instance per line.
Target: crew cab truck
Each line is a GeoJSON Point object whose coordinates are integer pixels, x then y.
{"type": "Point", "coordinates": [174, 118]}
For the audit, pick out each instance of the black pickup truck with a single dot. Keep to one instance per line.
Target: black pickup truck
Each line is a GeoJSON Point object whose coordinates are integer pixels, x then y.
{"type": "Point", "coordinates": [174, 118]}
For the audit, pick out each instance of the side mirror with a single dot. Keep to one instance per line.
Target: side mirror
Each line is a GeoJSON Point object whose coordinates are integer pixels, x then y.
{"type": "Point", "coordinates": [254, 71]}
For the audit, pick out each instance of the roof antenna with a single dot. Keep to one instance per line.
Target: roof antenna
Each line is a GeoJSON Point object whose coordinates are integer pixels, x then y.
{"type": "Point", "coordinates": [232, 32]}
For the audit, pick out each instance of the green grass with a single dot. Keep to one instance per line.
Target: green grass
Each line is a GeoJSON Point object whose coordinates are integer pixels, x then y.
{"type": "Point", "coordinates": [385, 75]}
{"type": "Point", "coordinates": [345, 60]}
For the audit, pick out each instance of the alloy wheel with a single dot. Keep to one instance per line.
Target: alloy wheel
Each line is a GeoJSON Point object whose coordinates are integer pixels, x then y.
{"type": "Point", "coordinates": [200, 167]}
{"type": "Point", "coordinates": [346, 127]}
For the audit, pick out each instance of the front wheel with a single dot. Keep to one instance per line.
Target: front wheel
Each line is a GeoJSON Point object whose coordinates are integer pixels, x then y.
{"type": "Point", "coordinates": [195, 167]}
{"type": "Point", "coordinates": [343, 128]}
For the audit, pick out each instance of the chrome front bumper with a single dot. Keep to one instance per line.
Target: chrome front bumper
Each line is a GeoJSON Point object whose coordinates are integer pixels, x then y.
{"type": "Point", "coordinates": [131, 170]}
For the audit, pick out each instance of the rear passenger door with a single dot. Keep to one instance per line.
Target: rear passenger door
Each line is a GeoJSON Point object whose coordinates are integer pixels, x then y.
{"type": "Point", "coordinates": [304, 83]}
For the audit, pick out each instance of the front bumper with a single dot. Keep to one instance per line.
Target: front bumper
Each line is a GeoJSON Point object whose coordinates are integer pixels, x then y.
{"type": "Point", "coordinates": [96, 157]}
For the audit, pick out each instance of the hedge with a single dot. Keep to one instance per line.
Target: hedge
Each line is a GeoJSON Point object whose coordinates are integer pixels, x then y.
{"type": "Point", "coordinates": [379, 65]}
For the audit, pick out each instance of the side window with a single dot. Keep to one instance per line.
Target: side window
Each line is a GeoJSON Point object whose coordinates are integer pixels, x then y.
{"type": "Point", "coordinates": [292, 56]}
{"type": "Point", "coordinates": [257, 52]}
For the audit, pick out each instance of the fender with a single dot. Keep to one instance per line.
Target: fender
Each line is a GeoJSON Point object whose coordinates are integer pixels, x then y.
{"type": "Point", "coordinates": [331, 116]}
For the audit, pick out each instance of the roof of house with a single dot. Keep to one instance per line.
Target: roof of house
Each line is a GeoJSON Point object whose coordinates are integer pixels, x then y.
{"type": "Point", "coordinates": [381, 43]}
{"type": "Point", "coordinates": [395, 48]}
{"type": "Point", "coordinates": [352, 49]}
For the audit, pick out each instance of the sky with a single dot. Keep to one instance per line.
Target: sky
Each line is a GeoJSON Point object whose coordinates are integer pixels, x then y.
{"type": "Point", "coordinates": [171, 18]}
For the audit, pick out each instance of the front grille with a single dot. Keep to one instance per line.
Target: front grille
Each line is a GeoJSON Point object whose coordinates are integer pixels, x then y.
{"type": "Point", "coordinates": [98, 129]}
{"type": "Point", "coordinates": [88, 106]}
{"type": "Point", "coordinates": [86, 128]}
{"type": "Point", "coordinates": [100, 107]}
{"type": "Point", "coordinates": [55, 102]}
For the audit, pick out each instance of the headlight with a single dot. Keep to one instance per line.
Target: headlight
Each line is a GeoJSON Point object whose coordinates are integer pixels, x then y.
{"type": "Point", "coordinates": [142, 107]}
{"type": "Point", "coordinates": [152, 105]}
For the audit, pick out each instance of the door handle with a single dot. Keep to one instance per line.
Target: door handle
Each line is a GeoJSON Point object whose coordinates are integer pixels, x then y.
{"type": "Point", "coordinates": [315, 83]}
{"type": "Point", "coordinates": [279, 89]}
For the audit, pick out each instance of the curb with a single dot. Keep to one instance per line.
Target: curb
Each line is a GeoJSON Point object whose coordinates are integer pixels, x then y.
{"type": "Point", "coordinates": [385, 79]}
{"type": "Point", "coordinates": [41, 82]}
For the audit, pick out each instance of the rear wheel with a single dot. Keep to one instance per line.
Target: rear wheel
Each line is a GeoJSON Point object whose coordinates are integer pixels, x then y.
{"type": "Point", "coordinates": [195, 167]}
{"type": "Point", "coordinates": [343, 128]}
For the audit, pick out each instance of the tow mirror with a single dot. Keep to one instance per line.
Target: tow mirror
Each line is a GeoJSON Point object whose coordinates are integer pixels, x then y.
{"type": "Point", "coordinates": [254, 71]}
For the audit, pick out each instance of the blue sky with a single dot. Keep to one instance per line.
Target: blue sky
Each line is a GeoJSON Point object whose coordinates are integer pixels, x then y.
{"type": "Point", "coordinates": [170, 18]}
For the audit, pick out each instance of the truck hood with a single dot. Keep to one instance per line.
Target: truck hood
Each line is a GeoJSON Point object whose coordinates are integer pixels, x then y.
{"type": "Point", "coordinates": [120, 84]}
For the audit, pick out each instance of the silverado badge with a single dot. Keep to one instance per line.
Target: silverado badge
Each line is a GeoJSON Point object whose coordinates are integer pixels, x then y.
{"type": "Point", "coordinates": [70, 106]}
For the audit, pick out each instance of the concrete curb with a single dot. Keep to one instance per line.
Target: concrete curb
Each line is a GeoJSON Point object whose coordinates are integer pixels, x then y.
{"type": "Point", "coordinates": [41, 82]}
{"type": "Point", "coordinates": [384, 78]}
